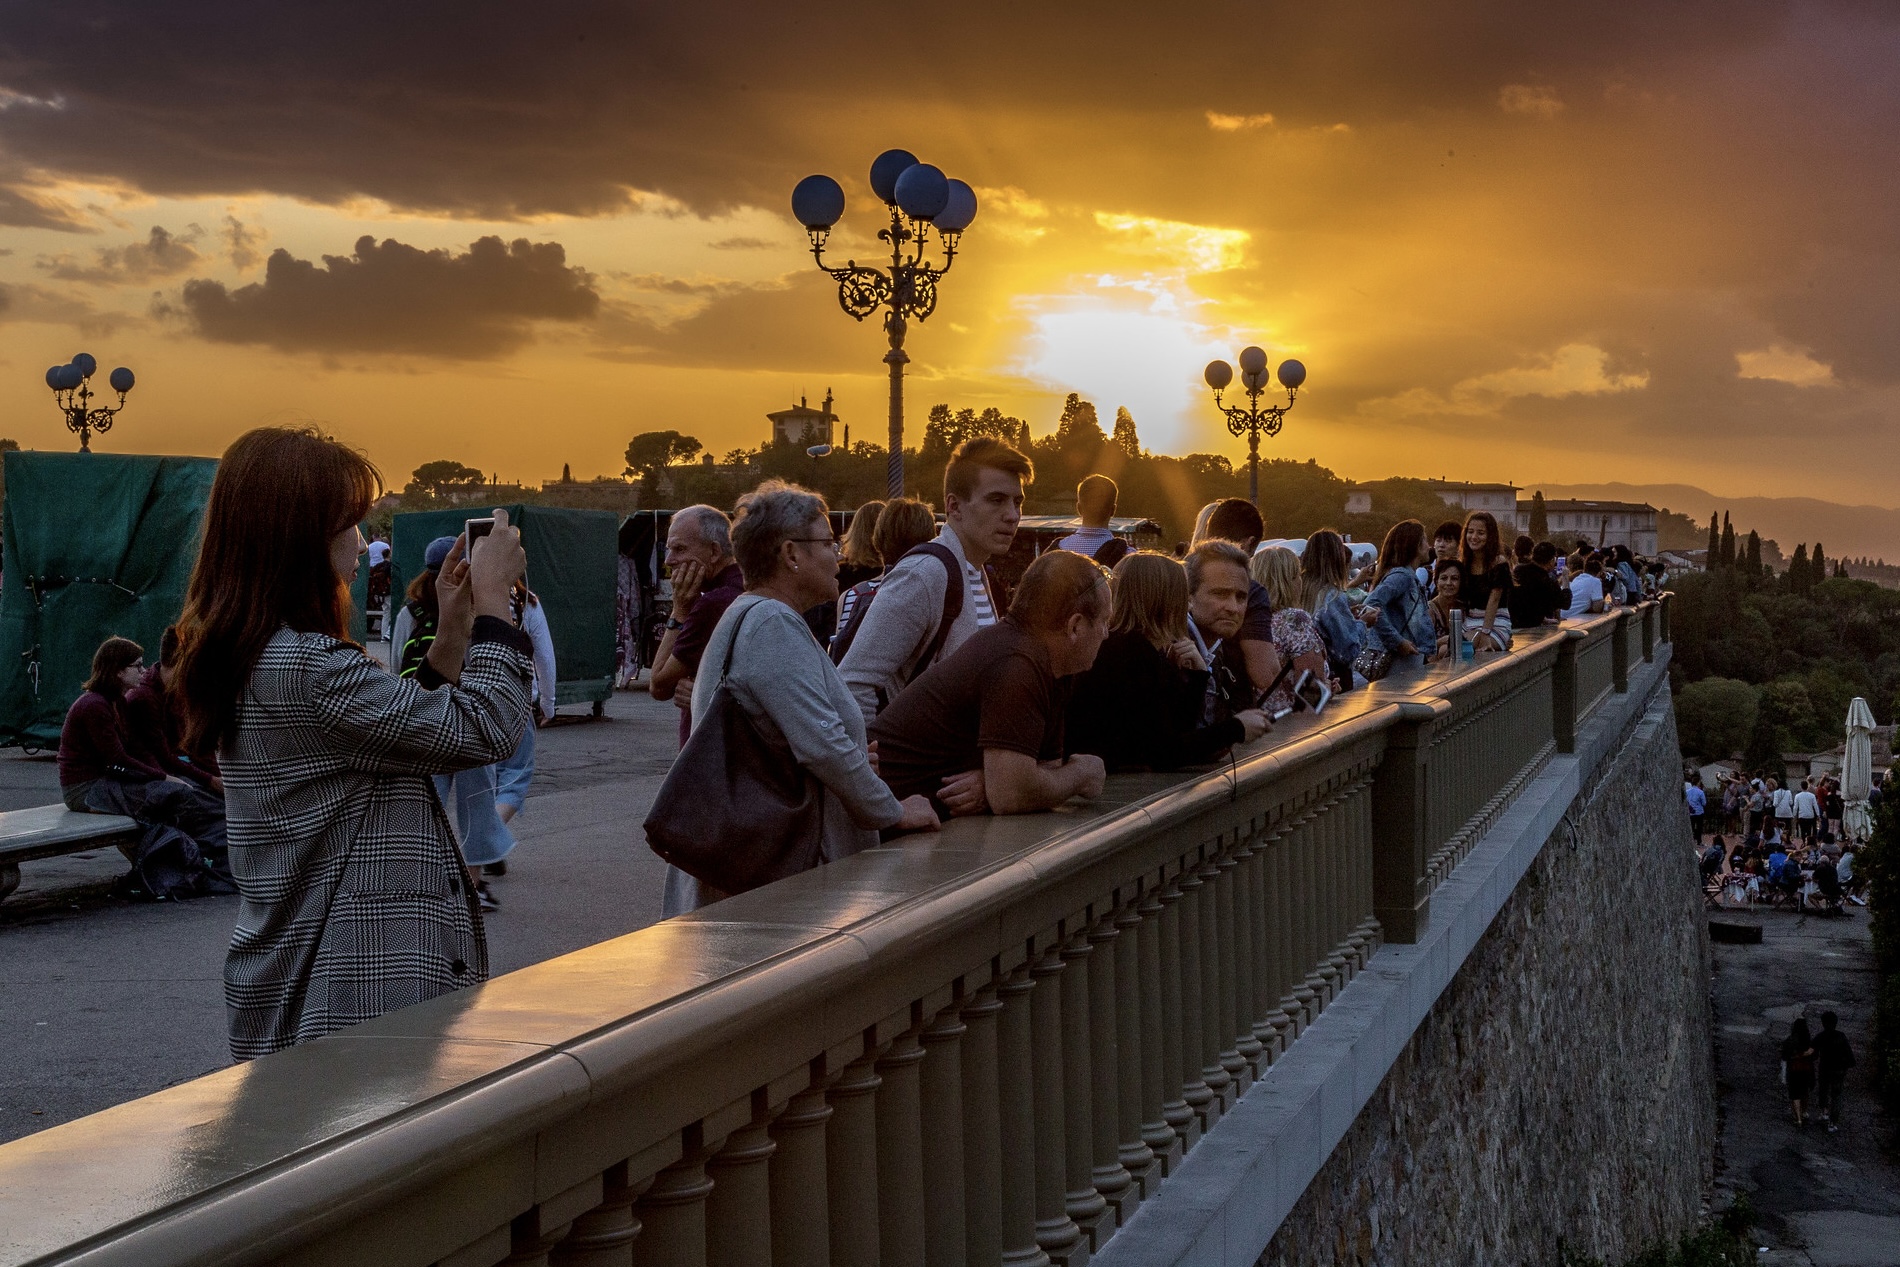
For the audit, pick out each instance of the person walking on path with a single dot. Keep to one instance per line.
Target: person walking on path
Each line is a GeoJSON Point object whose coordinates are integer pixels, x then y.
{"type": "Point", "coordinates": [1698, 803]}
{"type": "Point", "coordinates": [1833, 1057]}
{"type": "Point", "coordinates": [354, 898]}
{"type": "Point", "coordinates": [1797, 1054]}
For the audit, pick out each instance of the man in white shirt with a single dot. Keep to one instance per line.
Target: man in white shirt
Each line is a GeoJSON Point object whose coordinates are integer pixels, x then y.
{"type": "Point", "coordinates": [1586, 591]}
{"type": "Point", "coordinates": [378, 552]}
{"type": "Point", "coordinates": [903, 633]}
{"type": "Point", "coordinates": [1095, 499]}
{"type": "Point", "coordinates": [1807, 812]}
{"type": "Point", "coordinates": [1783, 801]}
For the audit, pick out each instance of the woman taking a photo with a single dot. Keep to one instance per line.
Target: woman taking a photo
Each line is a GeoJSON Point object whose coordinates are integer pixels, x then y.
{"type": "Point", "coordinates": [782, 539]}
{"type": "Point", "coordinates": [354, 897]}
{"type": "Point", "coordinates": [1404, 628]}
{"type": "Point", "coordinates": [1139, 707]}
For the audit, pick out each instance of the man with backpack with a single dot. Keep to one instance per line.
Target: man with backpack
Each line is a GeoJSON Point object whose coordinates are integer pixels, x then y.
{"type": "Point", "coordinates": [935, 597]}
{"type": "Point", "coordinates": [1095, 499]}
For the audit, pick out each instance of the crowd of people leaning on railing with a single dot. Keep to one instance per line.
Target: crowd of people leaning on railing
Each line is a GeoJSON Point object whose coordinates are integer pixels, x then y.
{"type": "Point", "coordinates": [831, 693]}
{"type": "Point", "coordinates": [1761, 842]}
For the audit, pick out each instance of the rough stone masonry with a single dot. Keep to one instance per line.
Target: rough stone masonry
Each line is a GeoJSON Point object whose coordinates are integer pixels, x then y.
{"type": "Point", "coordinates": [1561, 1092]}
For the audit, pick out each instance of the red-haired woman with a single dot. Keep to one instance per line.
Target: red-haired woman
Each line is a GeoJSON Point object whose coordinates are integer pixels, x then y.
{"type": "Point", "coordinates": [355, 900]}
{"type": "Point", "coordinates": [1487, 583]}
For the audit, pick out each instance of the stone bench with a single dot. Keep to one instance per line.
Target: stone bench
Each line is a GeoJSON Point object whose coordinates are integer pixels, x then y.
{"type": "Point", "coordinates": [46, 831]}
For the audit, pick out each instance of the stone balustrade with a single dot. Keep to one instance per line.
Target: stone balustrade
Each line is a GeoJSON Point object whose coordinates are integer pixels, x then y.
{"type": "Point", "coordinates": [989, 1046]}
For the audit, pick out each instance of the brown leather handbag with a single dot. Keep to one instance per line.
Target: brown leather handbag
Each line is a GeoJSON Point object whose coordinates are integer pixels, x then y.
{"type": "Point", "coordinates": [736, 810]}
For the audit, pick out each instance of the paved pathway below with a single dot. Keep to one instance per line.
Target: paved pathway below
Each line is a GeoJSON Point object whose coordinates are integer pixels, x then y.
{"type": "Point", "coordinates": [1825, 1200]}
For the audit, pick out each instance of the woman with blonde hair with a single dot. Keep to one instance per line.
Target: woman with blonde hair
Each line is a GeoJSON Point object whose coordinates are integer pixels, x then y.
{"type": "Point", "coordinates": [860, 561]}
{"type": "Point", "coordinates": [1295, 633]}
{"type": "Point", "coordinates": [1139, 706]}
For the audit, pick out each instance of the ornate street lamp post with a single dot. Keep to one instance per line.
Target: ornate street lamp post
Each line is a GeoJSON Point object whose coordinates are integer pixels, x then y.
{"type": "Point", "coordinates": [920, 198]}
{"type": "Point", "coordinates": [1254, 419]}
{"type": "Point", "coordinates": [72, 392]}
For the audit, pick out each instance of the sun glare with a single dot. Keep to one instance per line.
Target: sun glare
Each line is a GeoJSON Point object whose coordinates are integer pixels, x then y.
{"type": "Point", "coordinates": [1130, 345]}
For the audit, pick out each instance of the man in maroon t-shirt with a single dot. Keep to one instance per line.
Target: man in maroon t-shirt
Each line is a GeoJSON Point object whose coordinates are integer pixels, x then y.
{"type": "Point", "coordinates": [992, 711]}
{"type": "Point", "coordinates": [705, 579]}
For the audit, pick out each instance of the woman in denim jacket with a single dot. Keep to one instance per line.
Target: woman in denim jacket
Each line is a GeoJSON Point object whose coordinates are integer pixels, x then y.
{"type": "Point", "coordinates": [1404, 627]}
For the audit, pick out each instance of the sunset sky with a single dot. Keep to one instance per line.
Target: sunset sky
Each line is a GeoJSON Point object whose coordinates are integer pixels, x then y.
{"type": "Point", "coordinates": [1645, 242]}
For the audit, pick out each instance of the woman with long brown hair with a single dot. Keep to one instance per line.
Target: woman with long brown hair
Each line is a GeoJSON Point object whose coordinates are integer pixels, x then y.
{"type": "Point", "coordinates": [1404, 624]}
{"type": "Point", "coordinates": [1139, 706]}
{"type": "Point", "coordinates": [1487, 583]}
{"type": "Point", "coordinates": [354, 897]}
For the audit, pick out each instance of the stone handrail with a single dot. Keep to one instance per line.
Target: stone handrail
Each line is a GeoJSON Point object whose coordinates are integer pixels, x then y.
{"type": "Point", "coordinates": [987, 1045]}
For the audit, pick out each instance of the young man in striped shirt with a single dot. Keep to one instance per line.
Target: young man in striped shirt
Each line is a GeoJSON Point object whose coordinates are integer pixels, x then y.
{"type": "Point", "coordinates": [904, 632]}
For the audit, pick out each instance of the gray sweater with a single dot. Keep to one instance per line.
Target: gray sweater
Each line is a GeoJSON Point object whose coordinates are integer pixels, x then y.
{"type": "Point", "coordinates": [788, 685]}
{"type": "Point", "coordinates": [901, 624]}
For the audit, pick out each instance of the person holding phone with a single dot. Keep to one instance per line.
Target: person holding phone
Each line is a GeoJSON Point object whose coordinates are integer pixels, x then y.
{"type": "Point", "coordinates": [354, 900]}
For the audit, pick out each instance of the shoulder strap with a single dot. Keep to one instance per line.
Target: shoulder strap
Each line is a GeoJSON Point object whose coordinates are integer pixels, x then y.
{"type": "Point", "coordinates": [865, 591]}
{"type": "Point", "coordinates": [952, 603]}
{"type": "Point", "coordinates": [1110, 552]}
{"type": "Point", "coordinates": [733, 646]}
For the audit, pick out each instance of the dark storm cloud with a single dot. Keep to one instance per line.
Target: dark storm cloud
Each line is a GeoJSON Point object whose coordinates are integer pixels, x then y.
{"type": "Point", "coordinates": [161, 254]}
{"type": "Point", "coordinates": [391, 297]}
{"type": "Point", "coordinates": [499, 110]}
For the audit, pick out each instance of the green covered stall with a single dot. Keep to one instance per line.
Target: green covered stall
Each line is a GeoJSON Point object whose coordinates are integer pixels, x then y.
{"type": "Point", "coordinates": [95, 544]}
{"type": "Point", "coordinates": [573, 565]}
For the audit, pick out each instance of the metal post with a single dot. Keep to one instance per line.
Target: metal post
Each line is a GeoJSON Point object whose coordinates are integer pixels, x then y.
{"type": "Point", "coordinates": [1253, 468]}
{"type": "Point", "coordinates": [896, 358]}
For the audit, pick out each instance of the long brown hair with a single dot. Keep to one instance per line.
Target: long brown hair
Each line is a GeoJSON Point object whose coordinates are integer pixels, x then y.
{"type": "Point", "coordinates": [1401, 547]}
{"type": "Point", "coordinates": [280, 497]}
{"type": "Point", "coordinates": [1149, 596]}
{"type": "Point", "coordinates": [1322, 568]}
{"type": "Point", "coordinates": [114, 656]}
{"type": "Point", "coordinates": [1493, 544]}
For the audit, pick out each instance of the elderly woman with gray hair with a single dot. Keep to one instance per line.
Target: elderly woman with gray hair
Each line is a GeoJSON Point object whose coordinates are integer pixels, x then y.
{"type": "Point", "coordinates": [787, 684]}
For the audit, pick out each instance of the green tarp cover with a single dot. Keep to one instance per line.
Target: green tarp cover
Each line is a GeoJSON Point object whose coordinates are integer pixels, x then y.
{"type": "Point", "coordinates": [96, 544]}
{"type": "Point", "coordinates": [573, 566]}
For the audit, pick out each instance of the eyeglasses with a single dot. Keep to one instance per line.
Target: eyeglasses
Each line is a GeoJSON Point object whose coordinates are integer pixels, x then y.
{"type": "Point", "coordinates": [836, 545]}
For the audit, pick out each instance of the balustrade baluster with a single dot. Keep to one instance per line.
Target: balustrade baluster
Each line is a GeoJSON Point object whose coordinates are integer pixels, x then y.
{"type": "Point", "coordinates": [983, 1129]}
{"type": "Point", "coordinates": [1107, 1174]}
{"type": "Point", "coordinates": [1263, 1014]}
{"type": "Point", "coordinates": [739, 1208]}
{"type": "Point", "coordinates": [1056, 1232]}
{"type": "Point", "coordinates": [900, 1150]}
{"type": "Point", "coordinates": [801, 1236]}
{"type": "Point", "coordinates": [604, 1236]}
{"type": "Point", "coordinates": [1157, 1128]}
{"type": "Point", "coordinates": [1015, 1068]}
{"type": "Point", "coordinates": [1131, 1147]}
{"type": "Point", "coordinates": [1194, 1086]}
{"type": "Point", "coordinates": [1278, 993]}
{"type": "Point", "coordinates": [851, 1164]}
{"type": "Point", "coordinates": [1214, 948]}
{"type": "Point", "coordinates": [940, 1084]}
{"type": "Point", "coordinates": [1087, 1207]}
{"type": "Point", "coordinates": [1246, 949]}
{"type": "Point", "coordinates": [1227, 1015]}
{"type": "Point", "coordinates": [1300, 881]}
{"type": "Point", "coordinates": [673, 1211]}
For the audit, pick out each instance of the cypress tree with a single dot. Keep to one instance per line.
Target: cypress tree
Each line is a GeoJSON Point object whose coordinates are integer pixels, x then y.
{"type": "Point", "coordinates": [1540, 521]}
{"type": "Point", "coordinates": [1754, 554]}
{"type": "Point", "coordinates": [1798, 570]}
{"type": "Point", "coordinates": [1728, 543]}
{"type": "Point", "coordinates": [1817, 567]}
{"type": "Point", "coordinates": [1715, 545]}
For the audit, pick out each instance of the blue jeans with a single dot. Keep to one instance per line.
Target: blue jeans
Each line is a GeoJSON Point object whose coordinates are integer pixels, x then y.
{"type": "Point", "coordinates": [513, 775]}
{"type": "Point", "coordinates": [471, 796]}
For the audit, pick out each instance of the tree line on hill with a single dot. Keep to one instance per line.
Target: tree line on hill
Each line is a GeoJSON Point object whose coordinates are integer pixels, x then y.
{"type": "Point", "coordinates": [667, 468]}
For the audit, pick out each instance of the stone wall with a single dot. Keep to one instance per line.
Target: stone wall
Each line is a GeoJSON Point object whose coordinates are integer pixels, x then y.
{"type": "Point", "coordinates": [1561, 1090]}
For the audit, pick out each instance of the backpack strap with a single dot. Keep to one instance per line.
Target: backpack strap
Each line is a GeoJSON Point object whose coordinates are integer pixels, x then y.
{"type": "Point", "coordinates": [1110, 552]}
{"type": "Point", "coordinates": [952, 604]}
{"type": "Point", "coordinates": [841, 642]}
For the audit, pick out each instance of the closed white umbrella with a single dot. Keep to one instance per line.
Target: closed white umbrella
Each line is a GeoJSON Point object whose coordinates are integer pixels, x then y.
{"type": "Point", "coordinates": [1857, 773]}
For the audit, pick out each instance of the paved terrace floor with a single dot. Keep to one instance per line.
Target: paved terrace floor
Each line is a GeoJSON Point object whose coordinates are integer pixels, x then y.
{"type": "Point", "coordinates": [107, 1000]}
{"type": "Point", "coordinates": [1824, 1200]}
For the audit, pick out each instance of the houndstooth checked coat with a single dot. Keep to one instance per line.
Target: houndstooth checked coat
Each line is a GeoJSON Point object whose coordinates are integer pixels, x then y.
{"type": "Point", "coordinates": [354, 897]}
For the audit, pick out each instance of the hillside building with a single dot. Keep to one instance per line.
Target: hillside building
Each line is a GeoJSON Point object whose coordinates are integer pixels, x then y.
{"type": "Point", "coordinates": [802, 425]}
{"type": "Point", "coordinates": [1601, 523]}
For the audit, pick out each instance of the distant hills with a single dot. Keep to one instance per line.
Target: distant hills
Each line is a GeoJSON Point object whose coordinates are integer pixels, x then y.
{"type": "Point", "coordinates": [1845, 531]}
